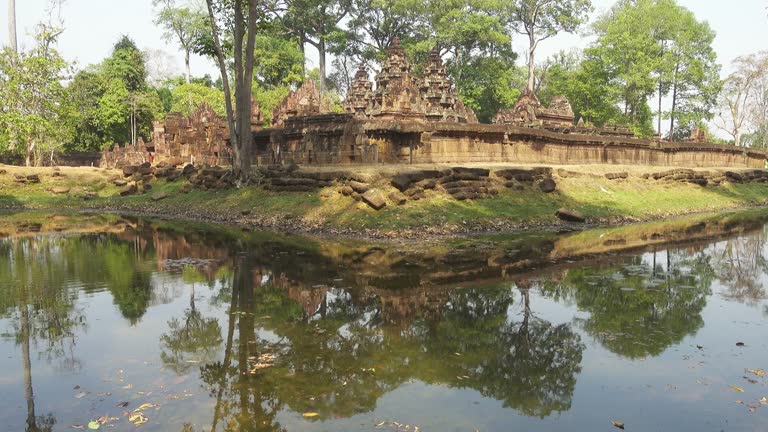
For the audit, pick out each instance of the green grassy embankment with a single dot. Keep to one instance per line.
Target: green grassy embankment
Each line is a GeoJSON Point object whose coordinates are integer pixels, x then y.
{"type": "Point", "coordinates": [601, 200]}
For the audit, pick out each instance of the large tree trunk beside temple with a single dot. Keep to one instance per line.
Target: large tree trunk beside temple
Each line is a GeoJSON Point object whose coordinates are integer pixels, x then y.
{"type": "Point", "coordinates": [239, 118]}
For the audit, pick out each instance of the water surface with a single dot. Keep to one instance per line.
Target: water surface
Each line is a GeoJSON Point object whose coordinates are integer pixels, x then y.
{"type": "Point", "coordinates": [222, 330]}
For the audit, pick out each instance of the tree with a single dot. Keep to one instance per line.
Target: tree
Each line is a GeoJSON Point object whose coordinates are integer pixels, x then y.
{"type": "Point", "coordinates": [693, 73]}
{"type": "Point", "coordinates": [13, 44]}
{"type": "Point", "coordinates": [656, 47]}
{"type": "Point", "coordinates": [243, 28]}
{"type": "Point", "coordinates": [541, 19]}
{"type": "Point", "coordinates": [187, 98]}
{"type": "Point", "coordinates": [374, 24]}
{"type": "Point", "coordinates": [34, 102]}
{"type": "Point", "coordinates": [738, 95]}
{"type": "Point", "coordinates": [182, 25]}
{"type": "Point", "coordinates": [316, 22]}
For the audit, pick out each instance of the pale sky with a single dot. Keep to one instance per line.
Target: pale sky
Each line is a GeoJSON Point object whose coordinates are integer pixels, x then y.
{"type": "Point", "coordinates": [93, 27]}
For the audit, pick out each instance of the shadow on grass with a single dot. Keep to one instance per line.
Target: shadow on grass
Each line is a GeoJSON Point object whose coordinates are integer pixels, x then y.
{"type": "Point", "coordinates": [9, 203]}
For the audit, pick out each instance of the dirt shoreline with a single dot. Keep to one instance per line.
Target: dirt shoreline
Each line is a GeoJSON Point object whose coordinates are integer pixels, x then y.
{"type": "Point", "coordinates": [249, 222]}
{"type": "Point", "coordinates": [603, 199]}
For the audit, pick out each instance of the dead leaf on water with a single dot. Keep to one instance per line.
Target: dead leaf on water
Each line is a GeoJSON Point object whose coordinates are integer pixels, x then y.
{"type": "Point", "coordinates": [142, 407]}
{"type": "Point", "coordinates": [123, 404]}
{"type": "Point", "coordinates": [81, 395]}
{"type": "Point", "coordinates": [763, 401]}
{"type": "Point", "coordinates": [758, 372]}
{"type": "Point", "coordinates": [737, 389]}
{"type": "Point", "coordinates": [618, 424]}
{"type": "Point", "coordinates": [77, 426]}
{"type": "Point", "coordinates": [310, 414]}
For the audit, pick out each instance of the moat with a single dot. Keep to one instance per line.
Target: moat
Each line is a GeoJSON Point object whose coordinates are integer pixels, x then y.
{"type": "Point", "coordinates": [123, 323]}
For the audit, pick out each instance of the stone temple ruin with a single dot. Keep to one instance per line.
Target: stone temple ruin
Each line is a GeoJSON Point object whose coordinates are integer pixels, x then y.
{"type": "Point", "coordinates": [407, 118]}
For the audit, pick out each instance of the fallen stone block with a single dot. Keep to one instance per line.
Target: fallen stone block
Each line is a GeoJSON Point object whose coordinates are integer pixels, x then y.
{"type": "Point", "coordinates": [428, 184]}
{"type": "Point", "coordinates": [130, 190]}
{"type": "Point", "coordinates": [570, 215]}
{"type": "Point", "coordinates": [188, 170]}
{"type": "Point", "coordinates": [145, 168]}
{"type": "Point", "coordinates": [734, 177]}
{"type": "Point", "coordinates": [617, 176]}
{"type": "Point", "coordinates": [402, 182]}
{"type": "Point", "coordinates": [346, 191]}
{"type": "Point", "coordinates": [548, 185]}
{"type": "Point", "coordinates": [160, 196]}
{"type": "Point", "coordinates": [130, 170]}
{"type": "Point", "coordinates": [374, 199]}
{"type": "Point", "coordinates": [60, 190]}
{"type": "Point", "coordinates": [358, 187]}
{"type": "Point", "coordinates": [33, 178]}
{"type": "Point", "coordinates": [480, 172]}
{"type": "Point", "coordinates": [398, 198]}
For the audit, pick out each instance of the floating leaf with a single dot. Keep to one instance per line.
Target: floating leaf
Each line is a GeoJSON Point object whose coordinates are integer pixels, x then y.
{"type": "Point", "coordinates": [94, 425]}
{"type": "Point", "coordinates": [123, 404]}
{"type": "Point", "coordinates": [77, 426]}
{"type": "Point", "coordinates": [737, 389]}
{"type": "Point", "coordinates": [144, 406]}
{"type": "Point", "coordinates": [763, 401]}
{"type": "Point", "coordinates": [758, 372]}
{"type": "Point", "coordinates": [310, 414]}
{"type": "Point", "coordinates": [138, 419]}
{"type": "Point", "coordinates": [618, 424]}
{"type": "Point", "coordinates": [740, 344]}
{"type": "Point", "coordinates": [81, 395]}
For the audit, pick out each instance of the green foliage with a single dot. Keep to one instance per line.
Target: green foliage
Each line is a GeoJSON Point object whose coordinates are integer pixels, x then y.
{"type": "Point", "coordinates": [34, 104]}
{"type": "Point", "coordinates": [488, 84]}
{"type": "Point", "coordinates": [269, 98]}
{"type": "Point", "coordinates": [656, 47]}
{"type": "Point", "coordinates": [279, 61]}
{"type": "Point", "coordinates": [187, 98]}
{"type": "Point", "coordinates": [113, 99]}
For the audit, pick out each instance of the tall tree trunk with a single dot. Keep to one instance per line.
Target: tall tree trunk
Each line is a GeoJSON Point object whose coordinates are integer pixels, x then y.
{"type": "Point", "coordinates": [531, 64]}
{"type": "Point", "coordinates": [28, 153]}
{"type": "Point", "coordinates": [321, 52]}
{"type": "Point", "coordinates": [659, 122]}
{"type": "Point", "coordinates": [189, 70]}
{"type": "Point", "coordinates": [224, 76]}
{"type": "Point", "coordinates": [233, 313]}
{"type": "Point", "coordinates": [27, 366]}
{"type": "Point", "coordinates": [12, 25]}
{"type": "Point", "coordinates": [674, 103]}
{"type": "Point", "coordinates": [303, 48]}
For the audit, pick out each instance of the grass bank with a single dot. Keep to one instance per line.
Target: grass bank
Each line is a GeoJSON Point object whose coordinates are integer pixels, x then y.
{"type": "Point", "coordinates": [582, 188]}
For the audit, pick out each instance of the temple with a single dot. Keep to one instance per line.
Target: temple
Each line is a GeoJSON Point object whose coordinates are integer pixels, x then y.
{"type": "Point", "coordinates": [410, 119]}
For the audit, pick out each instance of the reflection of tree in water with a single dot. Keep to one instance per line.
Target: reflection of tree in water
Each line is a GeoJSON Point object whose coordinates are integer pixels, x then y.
{"type": "Point", "coordinates": [742, 266]}
{"type": "Point", "coordinates": [41, 309]}
{"type": "Point", "coordinates": [637, 310]}
{"type": "Point", "coordinates": [529, 364]}
{"type": "Point", "coordinates": [193, 339]}
{"type": "Point", "coordinates": [340, 360]}
{"type": "Point", "coordinates": [243, 400]}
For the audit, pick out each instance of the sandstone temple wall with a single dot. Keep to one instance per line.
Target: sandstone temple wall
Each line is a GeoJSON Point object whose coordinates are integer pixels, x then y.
{"type": "Point", "coordinates": [408, 118]}
{"type": "Point", "coordinates": [511, 145]}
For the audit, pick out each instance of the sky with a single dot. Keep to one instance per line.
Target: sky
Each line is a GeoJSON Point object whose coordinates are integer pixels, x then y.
{"type": "Point", "coordinates": [93, 26]}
